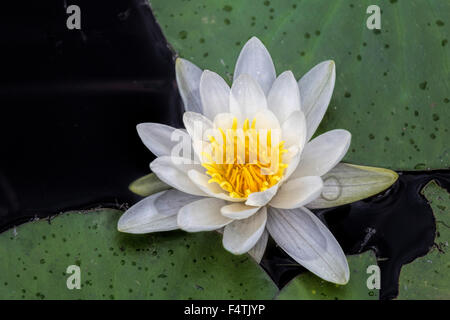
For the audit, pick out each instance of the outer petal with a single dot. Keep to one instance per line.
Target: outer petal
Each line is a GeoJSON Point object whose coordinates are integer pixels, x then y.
{"type": "Point", "coordinates": [214, 93]}
{"type": "Point", "coordinates": [294, 130]}
{"type": "Point", "coordinates": [255, 61]}
{"type": "Point", "coordinates": [257, 252]}
{"type": "Point", "coordinates": [155, 213]}
{"type": "Point", "coordinates": [238, 211]}
{"type": "Point", "coordinates": [246, 98]}
{"type": "Point", "coordinates": [173, 171]}
{"type": "Point", "coordinates": [188, 80]}
{"type": "Point", "coordinates": [284, 96]}
{"type": "Point", "coordinates": [242, 235]}
{"type": "Point", "coordinates": [202, 215]}
{"type": "Point", "coordinates": [316, 89]}
{"type": "Point", "coordinates": [323, 153]}
{"type": "Point", "coordinates": [297, 192]}
{"type": "Point", "coordinates": [158, 137]}
{"type": "Point", "coordinates": [306, 239]}
{"type": "Point", "coordinates": [348, 183]}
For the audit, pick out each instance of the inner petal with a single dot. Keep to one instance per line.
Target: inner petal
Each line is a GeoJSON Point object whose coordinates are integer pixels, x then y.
{"type": "Point", "coordinates": [243, 160]}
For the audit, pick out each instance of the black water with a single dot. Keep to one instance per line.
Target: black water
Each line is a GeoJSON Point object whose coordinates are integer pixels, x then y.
{"type": "Point", "coordinates": [70, 101]}
{"type": "Point", "coordinates": [69, 104]}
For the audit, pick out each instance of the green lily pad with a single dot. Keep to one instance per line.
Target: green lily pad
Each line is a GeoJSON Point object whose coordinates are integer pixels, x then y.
{"type": "Point", "coordinates": [392, 84]}
{"type": "Point", "coordinates": [427, 277]}
{"type": "Point", "coordinates": [173, 265]}
{"type": "Point", "coordinates": [310, 287]}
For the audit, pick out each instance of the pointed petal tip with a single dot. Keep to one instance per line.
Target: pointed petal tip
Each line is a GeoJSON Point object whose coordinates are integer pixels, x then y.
{"type": "Point", "coordinates": [330, 63]}
{"type": "Point", "coordinates": [343, 278]}
{"type": "Point", "coordinates": [255, 42]}
{"type": "Point", "coordinates": [122, 225]}
{"type": "Point", "coordinates": [343, 133]}
{"type": "Point", "coordinates": [254, 39]}
{"type": "Point", "coordinates": [287, 72]}
{"type": "Point", "coordinates": [207, 72]}
{"type": "Point", "coordinates": [140, 127]}
{"type": "Point", "coordinates": [236, 252]}
{"type": "Point", "coordinates": [179, 61]}
{"type": "Point", "coordinates": [326, 63]}
{"type": "Point", "coordinates": [395, 176]}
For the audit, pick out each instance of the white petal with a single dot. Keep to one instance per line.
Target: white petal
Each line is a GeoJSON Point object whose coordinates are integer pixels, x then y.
{"type": "Point", "coordinates": [197, 125]}
{"type": "Point", "coordinates": [292, 157]}
{"type": "Point", "coordinates": [257, 252]}
{"type": "Point", "coordinates": [188, 80]}
{"type": "Point", "coordinates": [316, 88]}
{"type": "Point", "coordinates": [347, 183]}
{"type": "Point", "coordinates": [201, 148]}
{"type": "Point", "coordinates": [158, 137]}
{"type": "Point", "coordinates": [259, 199]}
{"type": "Point", "coordinates": [297, 192]}
{"type": "Point", "coordinates": [238, 211]}
{"type": "Point", "coordinates": [173, 171]}
{"type": "Point", "coordinates": [223, 120]}
{"type": "Point", "coordinates": [242, 235]}
{"type": "Point", "coordinates": [246, 98]}
{"type": "Point", "coordinates": [202, 215]}
{"type": "Point", "coordinates": [214, 93]}
{"type": "Point", "coordinates": [155, 213]}
{"type": "Point", "coordinates": [265, 120]}
{"type": "Point", "coordinates": [255, 61]}
{"type": "Point", "coordinates": [323, 153]}
{"type": "Point", "coordinates": [211, 189]}
{"type": "Point", "coordinates": [284, 96]}
{"type": "Point", "coordinates": [308, 241]}
{"type": "Point", "coordinates": [294, 130]}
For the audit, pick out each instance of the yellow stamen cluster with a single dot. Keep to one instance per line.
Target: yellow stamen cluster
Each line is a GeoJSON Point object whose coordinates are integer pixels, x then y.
{"type": "Point", "coordinates": [240, 164]}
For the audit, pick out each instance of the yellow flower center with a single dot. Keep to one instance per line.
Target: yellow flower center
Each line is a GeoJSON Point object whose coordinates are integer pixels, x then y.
{"type": "Point", "coordinates": [243, 161]}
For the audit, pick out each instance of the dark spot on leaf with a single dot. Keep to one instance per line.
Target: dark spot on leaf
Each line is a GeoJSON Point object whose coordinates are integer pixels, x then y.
{"type": "Point", "coordinates": [423, 85]}
{"type": "Point", "coordinates": [182, 34]}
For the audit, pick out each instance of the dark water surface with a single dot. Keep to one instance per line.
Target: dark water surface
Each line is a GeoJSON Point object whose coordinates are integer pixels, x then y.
{"type": "Point", "coordinates": [69, 104]}
{"type": "Point", "coordinates": [70, 101]}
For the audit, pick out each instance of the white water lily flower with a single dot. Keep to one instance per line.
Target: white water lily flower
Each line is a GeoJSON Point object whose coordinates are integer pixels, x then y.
{"type": "Point", "coordinates": [236, 198]}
